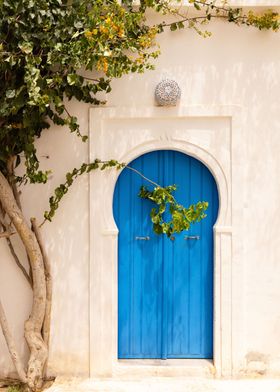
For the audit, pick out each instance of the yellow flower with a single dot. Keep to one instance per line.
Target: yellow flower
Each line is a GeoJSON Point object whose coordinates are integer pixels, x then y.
{"type": "Point", "coordinates": [103, 29]}
{"type": "Point", "coordinates": [105, 66]}
{"type": "Point", "coordinates": [102, 65]}
{"type": "Point", "coordinates": [120, 32]}
{"type": "Point", "coordinates": [88, 34]}
{"type": "Point", "coordinates": [145, 42]}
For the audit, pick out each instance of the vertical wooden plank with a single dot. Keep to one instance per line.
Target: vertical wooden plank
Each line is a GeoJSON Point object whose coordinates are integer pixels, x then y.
{"type": "Point", "coordinates": [178, 292]}
{"type": "Point", "coordinates": [136, 327]}
{"type": "Point", "coordinates": [167, 270]}
{"type": "Point", "coordinates": [196, 282]}
{"type": "Point", "coordinates": [150, 260]}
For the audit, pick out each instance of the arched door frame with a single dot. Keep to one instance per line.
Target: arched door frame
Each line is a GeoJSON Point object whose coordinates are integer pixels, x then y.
{"type": "Point", "coordinates": [104, 233]}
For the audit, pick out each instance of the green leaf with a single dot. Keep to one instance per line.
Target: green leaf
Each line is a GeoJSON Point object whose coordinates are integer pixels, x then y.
{"type": "Point", "coordinates": [10, 93]}
{"type": "Point", "coordinates": [26, 47]}
{"type": "Point", "coordinates": [181, 217]}
{"type": "Point", "coordinates": [72, 79]}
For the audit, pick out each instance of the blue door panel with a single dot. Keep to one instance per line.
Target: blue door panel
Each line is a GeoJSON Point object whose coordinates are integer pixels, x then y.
{"type": "Point", "coordinates": [165, 294]}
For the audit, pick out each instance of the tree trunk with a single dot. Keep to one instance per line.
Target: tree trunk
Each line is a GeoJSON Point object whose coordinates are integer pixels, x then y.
{"type": "Point", "coordinates": [33, 326]}
{"type": "Point", "coordinates": [48, 277]}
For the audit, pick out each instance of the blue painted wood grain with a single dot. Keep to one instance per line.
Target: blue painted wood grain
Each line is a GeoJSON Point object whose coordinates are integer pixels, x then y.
{"type": "Point", "coordinates": [165, 288]}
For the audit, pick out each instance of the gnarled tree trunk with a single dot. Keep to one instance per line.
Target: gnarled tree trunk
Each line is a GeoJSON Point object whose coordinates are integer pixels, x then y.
{"type": "Point", "coordinates": [34, 324]}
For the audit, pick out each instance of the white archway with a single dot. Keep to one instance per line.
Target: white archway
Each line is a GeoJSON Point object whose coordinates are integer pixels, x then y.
{"type": "Point", "coordinates": [189, 149]}
{"type": "Point", "coordinates": [131, 133]}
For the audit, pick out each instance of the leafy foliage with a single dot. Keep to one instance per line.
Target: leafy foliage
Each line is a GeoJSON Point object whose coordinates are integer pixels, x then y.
{"type": "Point", "coordinates": [62, 189]}
{"type": "Point", "coordinates": [166, 206]}
{"type": "Point", "coordinates": [209, 10]}
{"type": "Point", "coordinates": [49, 47]}
{"type": "Point", "coordinates": [46, 47]}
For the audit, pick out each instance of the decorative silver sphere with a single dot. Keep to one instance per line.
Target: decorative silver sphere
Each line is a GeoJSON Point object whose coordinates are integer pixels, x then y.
{"type": "Point", "coordinates": [167, 93]}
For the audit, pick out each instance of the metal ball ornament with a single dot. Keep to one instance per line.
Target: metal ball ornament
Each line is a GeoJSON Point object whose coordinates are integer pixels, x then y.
{"type": "Point", "coordinates": [167, 93]}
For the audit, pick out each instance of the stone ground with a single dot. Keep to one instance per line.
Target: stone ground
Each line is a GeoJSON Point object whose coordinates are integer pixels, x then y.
{"type": "Point", "coordinates": [161, 384]}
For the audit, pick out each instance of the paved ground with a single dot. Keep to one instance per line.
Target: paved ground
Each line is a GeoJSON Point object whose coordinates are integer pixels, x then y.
{"type": "Point", "coordinates": [167, 385]}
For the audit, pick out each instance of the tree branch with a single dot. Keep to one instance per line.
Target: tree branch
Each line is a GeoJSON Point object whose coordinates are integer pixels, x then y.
{"type": "Point", "coordinates": [10, 168]}
{"type": "Point", "coordinates": [47, 266]}
{"type": "Point", "coordinates": [16, 193]}
{"type": "Point", "coordinates": [195, 18]}
{"type": "Point", "coordinates": [7, 226]}
{"type": "Point", "coordinates": [141, 175]}
{"type": "Point", "coordinates": [88, 78]}
{"type": "Point", "coordinates": [6, 234]}
{"type": "Point", "coordinates": [18, 263]}
{"type": "Point", "coordinates": [11, 345]}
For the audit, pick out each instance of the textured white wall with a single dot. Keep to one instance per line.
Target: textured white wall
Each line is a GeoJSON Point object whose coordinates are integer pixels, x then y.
{"type": "Point", "coordinates": [235, 66]}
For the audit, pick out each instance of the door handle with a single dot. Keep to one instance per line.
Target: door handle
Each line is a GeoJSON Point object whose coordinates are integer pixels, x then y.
{"type": "Point", "coordinates": [191, 237]}
{"type": "Point", "coordinates": [147, 238]}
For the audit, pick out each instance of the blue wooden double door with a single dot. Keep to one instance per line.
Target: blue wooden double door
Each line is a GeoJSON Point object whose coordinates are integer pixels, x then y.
{"type": "Point", "coordinates": [165, 287]}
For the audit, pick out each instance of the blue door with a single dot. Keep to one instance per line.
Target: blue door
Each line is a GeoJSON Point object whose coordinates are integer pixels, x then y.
{"type": "Point", "coordinates": [165, 287]}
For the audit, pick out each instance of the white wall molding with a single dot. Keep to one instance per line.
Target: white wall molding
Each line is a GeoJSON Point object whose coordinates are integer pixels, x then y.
{"type": "Point", "coordinates": [204, 132]}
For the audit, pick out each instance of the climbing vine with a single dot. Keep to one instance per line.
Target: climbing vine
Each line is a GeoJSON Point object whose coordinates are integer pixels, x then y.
{"type": "Point", "coordinates": [62, 189]}
{"type": "Point", "coordinates": [180, 217]}
{"type": "Point", "coordinates": [210, 10]}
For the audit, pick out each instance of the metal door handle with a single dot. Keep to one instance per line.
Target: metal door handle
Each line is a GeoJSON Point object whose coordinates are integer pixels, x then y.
{"type": "Point", "coordinates": [147, 238]}
{"type": "Point", "coordinates": [191, 237]}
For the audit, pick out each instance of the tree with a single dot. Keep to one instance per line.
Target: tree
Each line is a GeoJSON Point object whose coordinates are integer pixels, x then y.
{"type": "Point", "coordinates": [46, 47]}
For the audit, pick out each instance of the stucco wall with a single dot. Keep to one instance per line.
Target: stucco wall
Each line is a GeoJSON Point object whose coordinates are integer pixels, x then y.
{"type": "Point", "coordinates": [236, 66]}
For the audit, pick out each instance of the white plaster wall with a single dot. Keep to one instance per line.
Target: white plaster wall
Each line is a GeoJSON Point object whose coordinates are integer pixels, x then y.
{"type": "Point", "coordinates": [235, 66]}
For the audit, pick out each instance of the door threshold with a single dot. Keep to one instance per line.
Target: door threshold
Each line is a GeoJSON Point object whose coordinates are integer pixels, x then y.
{"type": "Point", "coordinates": [164, 368]}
